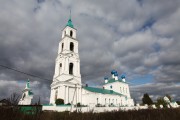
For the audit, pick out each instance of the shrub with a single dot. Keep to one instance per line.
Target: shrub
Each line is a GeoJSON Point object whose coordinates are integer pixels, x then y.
{"type": "Point", "coordinates": [59, 101]}
{"type": "Point", "coordinates": [68, 104]}
{"type": "Point", "coordinates": [178, 102]}
{"type": "Point", "coordinates": [147, 100]}
{"type": "Point", "coordinates": [98, 105]}
{"type": "Point", "coordinates": [161, 101]}
{"type": "Point", "coordinates": [78, 104]}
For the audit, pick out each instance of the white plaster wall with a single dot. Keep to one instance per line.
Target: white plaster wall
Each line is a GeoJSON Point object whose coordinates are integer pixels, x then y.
{"type": "Point", "coordinates": [116, 87]}
{"type": "Point", "coordinates": [91, 109]}
{"type": "Point", "coordinates": [66, 48]}
{"type": "Point", "coordinates": [66, 92]}
{"type": "Point", "coordinates": [90, 99]}
{"type": "Point", "coordinates": [27, 99]}
{"type": "Point", "coordinates": [65, 57]}
{"type": "Point", "coordinates": [67, 29]}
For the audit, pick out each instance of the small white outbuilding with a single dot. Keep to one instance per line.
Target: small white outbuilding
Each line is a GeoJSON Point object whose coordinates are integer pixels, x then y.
{"type": "Point", "coordinates": [27, 95]}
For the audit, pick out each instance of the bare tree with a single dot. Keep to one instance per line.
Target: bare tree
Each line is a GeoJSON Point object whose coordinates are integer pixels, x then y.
{"type": "Point", "coordinates": [14, 99]}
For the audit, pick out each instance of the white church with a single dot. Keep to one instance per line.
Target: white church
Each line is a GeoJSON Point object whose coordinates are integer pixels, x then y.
{"type": "Point", "coordinates": [27, 95]}
{"type": "Point", "coordinates": [67, 83]}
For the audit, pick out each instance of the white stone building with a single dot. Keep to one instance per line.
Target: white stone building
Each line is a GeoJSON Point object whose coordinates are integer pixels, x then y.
{"type": "Point", "coordinates": [115, 92]}
{"type": "Point", "coordinates": [67, 78]}
{"type": "Point", "coordinates": [27, 96]}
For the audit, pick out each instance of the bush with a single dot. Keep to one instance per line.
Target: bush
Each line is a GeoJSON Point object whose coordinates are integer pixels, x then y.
{"type": "Point", "coordinates": [59, 101]}
{"type": "Point", "coordinates": [98, 105]}
{"type": "Point", "coordinates": [68, 104]}
{"type": "Point", "coordinates": [161, 101]}
{"type": "Point", "coordinates": [147, 100]}
{"type": "Point", "coordinates": [78, 105]}
{"type": "Point", "coordinates": [178, 102]}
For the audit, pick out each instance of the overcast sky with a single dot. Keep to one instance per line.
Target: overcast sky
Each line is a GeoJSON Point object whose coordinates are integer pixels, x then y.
{"type": "Point", "coordinates": [138, 38]}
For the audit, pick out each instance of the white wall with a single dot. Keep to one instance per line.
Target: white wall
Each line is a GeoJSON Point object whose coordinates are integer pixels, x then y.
{"type": "Point", "coordinates": [90, 109]}
{"type": "Point", "coordinates": [92, 99]}
{"type": "Point", "coordinates": [116, 87]}
{"type": "Point", "coordinates": [63, 82]}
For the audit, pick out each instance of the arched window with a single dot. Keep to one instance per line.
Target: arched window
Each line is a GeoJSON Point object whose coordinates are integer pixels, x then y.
{"type": "Point", "coordinates": [64, 33]}
{"type": "Point", "coordinates": [60, 68]}
{"type": "Point", "coordinates": [71, 33]}
{"type": "Point", "coordinates": [62, 46]}
{"type": "Point", "coordinates": [71, 46]}
{"type": "Point", "coordinates": [71, 68]}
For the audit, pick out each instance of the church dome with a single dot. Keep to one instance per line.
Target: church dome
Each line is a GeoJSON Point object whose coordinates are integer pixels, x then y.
{"type": "Point", "coordinates": [123, 76]}
{"type": "Point", "coordinates": [70, 23]}
{"type": "Point", "coordinates": [113, 72]}
{"type": "Point", "coordinates": [105, 78]}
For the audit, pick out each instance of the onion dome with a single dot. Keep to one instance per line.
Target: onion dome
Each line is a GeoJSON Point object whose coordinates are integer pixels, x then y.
{"type": "Point", "coordinates": [113, 72]}
{"type": "Point", "coordinates": [123, 76]}
{"type": "Point", "coordinates": [105, 78]}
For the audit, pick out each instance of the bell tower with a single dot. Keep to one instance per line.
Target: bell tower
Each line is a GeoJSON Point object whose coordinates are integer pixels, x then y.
{"type": "Point", "coordinates": [66, 83]}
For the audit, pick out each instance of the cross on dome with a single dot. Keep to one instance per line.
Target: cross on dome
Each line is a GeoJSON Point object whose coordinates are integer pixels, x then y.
{"type": "Point", "coordinates": [69, 23]}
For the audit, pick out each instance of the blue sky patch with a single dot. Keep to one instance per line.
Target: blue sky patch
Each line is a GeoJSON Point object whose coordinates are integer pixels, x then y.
{"type": "Point", "coordinates": [148, 24]}
{"type": "Point", "coordinates": [141, 80]}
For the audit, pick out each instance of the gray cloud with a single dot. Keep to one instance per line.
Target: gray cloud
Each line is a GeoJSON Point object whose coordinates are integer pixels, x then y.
{"type": "Point", "coordinates": [152, 89]}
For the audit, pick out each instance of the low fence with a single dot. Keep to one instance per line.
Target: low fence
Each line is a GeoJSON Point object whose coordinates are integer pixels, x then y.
{"type": "Point", "coordinates": [30, 109]}
{"type": "Point", "coordinates": [26, 109]}
{"type": "Point", "coordinates": [62, 108]}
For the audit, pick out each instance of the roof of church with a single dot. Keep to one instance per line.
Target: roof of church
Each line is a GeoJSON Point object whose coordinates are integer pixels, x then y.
{"type": "Point", "coordinates": [115, 74]}
{"type": "Point", "coordinates": [103, 91]}
{"type": "Point", "coordinates": [70, 23]}
{"type": "Point", "coordinates": [113, 80]}
{"type": "Point", "coordinates": [30, 93]}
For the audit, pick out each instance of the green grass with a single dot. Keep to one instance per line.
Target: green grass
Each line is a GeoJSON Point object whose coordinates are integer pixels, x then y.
{"type": "Point", "coordinates": [10, 113]}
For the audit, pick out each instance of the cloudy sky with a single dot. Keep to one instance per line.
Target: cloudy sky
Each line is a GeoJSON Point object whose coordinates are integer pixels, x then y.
{"type": "Point", "coordinates": [138, 38]}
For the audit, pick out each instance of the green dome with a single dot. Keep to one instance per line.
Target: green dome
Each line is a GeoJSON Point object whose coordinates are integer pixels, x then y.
{"type": "Point", "coordinates": [70, 23]}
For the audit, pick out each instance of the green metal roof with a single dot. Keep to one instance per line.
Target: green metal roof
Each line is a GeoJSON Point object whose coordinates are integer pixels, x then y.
{"type": "Point", "coordinates": [103, 91]}
{"type": "Point", "coordinates": [30, 93]}
{"type": "Point", "coordinates": [70, 23]}
{"type": "Point", "coordinates": [113, 80]}
{"type": "Point", "coordinates": [28, 84]}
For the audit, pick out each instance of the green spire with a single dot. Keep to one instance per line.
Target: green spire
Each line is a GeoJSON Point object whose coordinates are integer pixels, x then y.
{"type": "Point", "coordinates": [70, 22]}
{"type": "Point", "coordinates": [27, 84]}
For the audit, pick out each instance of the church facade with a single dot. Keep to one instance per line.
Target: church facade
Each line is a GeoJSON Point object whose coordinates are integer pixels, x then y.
{"type": "Point", "coordinates": [27, 95]}
{"type": "Point", "coordinates": [67, 84]}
